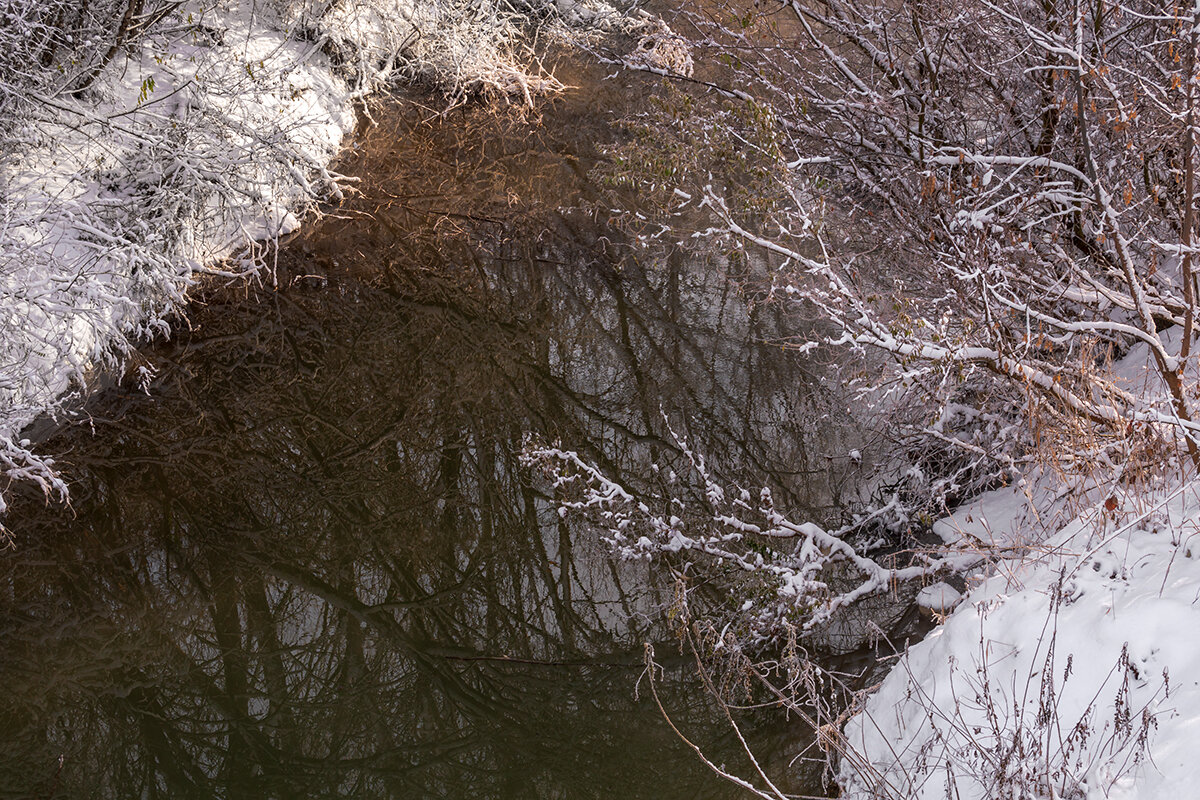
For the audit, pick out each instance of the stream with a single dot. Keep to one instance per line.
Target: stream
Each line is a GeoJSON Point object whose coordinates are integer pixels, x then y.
{"type": "Point", "coordinates": [308, 560]}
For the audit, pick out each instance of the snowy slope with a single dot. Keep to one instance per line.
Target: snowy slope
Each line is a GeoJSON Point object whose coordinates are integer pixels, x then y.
{"type": "Point", "coordinates": [200, 140]}
{"type": "Point", "coordinates": [1071, 672]}
{"type": "Point", "coordinates": [1071, 669]}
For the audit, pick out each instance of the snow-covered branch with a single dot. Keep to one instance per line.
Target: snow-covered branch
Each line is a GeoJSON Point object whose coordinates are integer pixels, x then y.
{"type": "Point", "coordinates": [795, 573]}
{"type": "Point", "coordinates": [991, 195]}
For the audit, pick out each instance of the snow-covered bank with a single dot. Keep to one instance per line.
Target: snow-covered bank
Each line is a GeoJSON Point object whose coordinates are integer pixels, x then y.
{"type": "Point", "coordinates": [1071, 668]}
{"type": "Point", "coordinates": [1070, 672]}
{"type": "Point", "coordinates": [210, 130]}
{"type": "Point", "coordinates": [203, 138]}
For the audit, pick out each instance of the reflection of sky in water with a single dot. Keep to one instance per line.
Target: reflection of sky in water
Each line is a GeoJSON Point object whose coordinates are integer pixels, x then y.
{"type": "Point", "coordinates": [311, 563]}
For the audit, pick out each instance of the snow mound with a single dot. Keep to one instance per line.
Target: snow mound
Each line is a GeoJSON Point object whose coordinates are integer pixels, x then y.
{"type": "Point", "coordinates": [1072, 673]}
{"type": "Point", "coordinates": [939, 598]}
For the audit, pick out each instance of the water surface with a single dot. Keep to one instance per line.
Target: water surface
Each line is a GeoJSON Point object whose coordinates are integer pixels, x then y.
{"type": "Point", "coordinates": [308, 562]}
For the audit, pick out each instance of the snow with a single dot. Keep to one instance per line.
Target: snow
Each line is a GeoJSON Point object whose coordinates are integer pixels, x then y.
{"type": "Point", "coordinates": [1081, 654]}
{"type": "Point", "coordinates": [1012, 520]}
{"type": "Point", "coordinates": [183, 152]}
{"type": "Point", "coordinates": [995, 519]}
{"type": "Point", "coordinates": [938, 597]}
{"type": "Point", "coordinates": [1071, 668]}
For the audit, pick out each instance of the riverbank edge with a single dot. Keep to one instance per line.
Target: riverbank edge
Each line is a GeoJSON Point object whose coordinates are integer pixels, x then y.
{"type": "Point", "coordinates": [194, 150]}
{"type": "Point", "coordinates": [1066, 670]}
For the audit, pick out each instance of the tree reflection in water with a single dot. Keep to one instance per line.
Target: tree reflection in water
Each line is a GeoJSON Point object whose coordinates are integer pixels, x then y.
{"type": "Point", "coordinates": [309, 563]}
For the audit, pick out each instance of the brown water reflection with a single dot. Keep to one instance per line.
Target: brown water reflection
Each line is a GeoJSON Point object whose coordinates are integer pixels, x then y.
{"type": "Point", "coordinates": [309, 563]}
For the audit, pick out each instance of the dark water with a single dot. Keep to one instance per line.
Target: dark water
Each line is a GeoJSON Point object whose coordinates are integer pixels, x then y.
{"type": "Point", "coordinates": [309, 562]}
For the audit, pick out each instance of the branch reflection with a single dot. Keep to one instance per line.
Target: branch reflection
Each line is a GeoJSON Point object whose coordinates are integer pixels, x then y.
{"type": "Point", "coordinates": [310, 563]}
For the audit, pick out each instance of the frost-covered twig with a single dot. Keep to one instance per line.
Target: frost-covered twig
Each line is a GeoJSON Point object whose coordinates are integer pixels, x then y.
{"type": "Point", "coordinates": [797, 564]}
